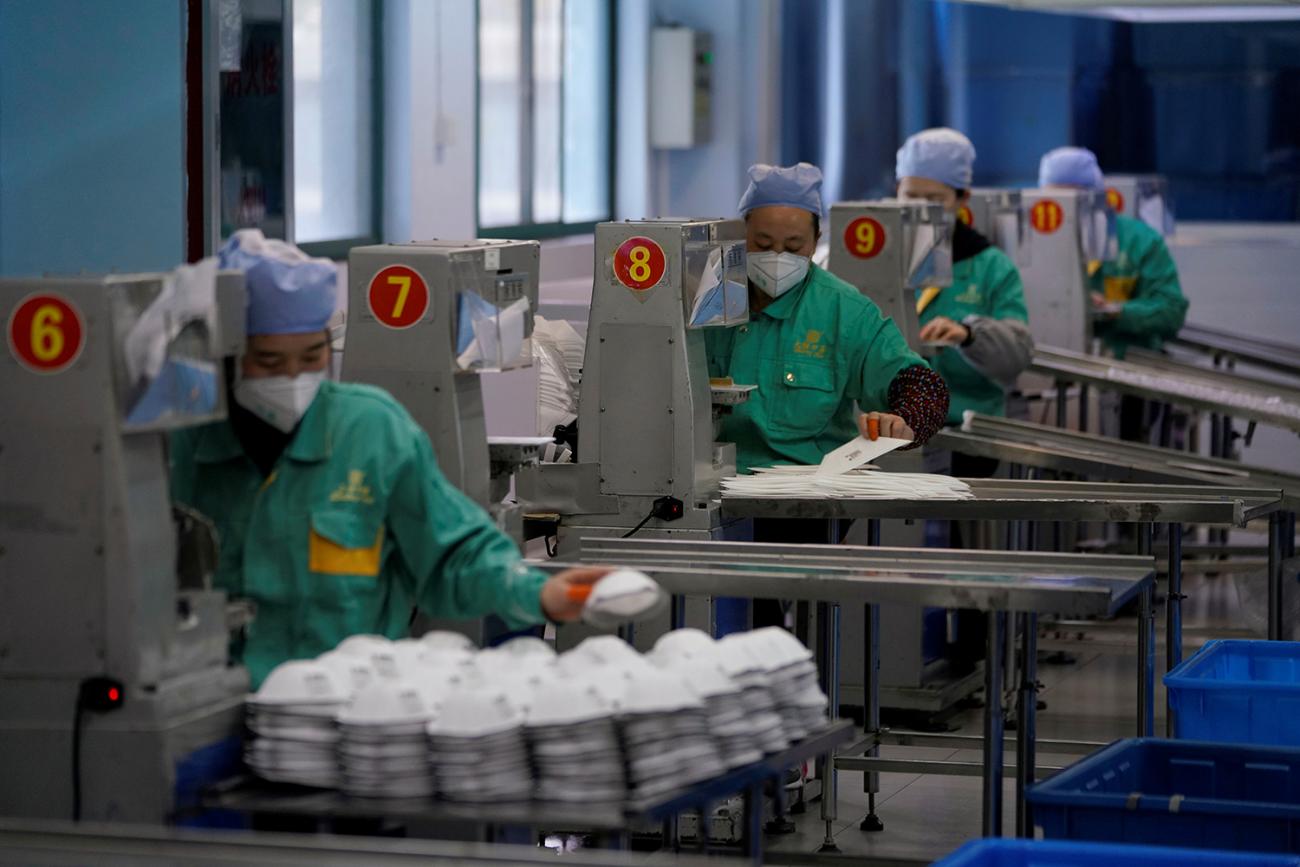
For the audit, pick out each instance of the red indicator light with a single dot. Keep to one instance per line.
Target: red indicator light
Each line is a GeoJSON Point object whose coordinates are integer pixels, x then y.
{"type": "Point", "coordinates": [114, 694]}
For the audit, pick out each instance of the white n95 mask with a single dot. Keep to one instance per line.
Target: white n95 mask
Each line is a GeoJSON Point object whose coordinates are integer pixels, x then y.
{"type": "Point", "coordinates": [280, 401]}
{"type": "Point", "coordinates": [776, 273]}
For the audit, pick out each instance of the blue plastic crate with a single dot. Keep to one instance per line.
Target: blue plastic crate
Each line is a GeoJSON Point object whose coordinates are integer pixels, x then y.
{"type": "Point", "coordinates": [1023, 853]}
{"type": "Point", "coordinates": [1176, 793]}
{"type": "Point", "coordinates": [1241, 692]}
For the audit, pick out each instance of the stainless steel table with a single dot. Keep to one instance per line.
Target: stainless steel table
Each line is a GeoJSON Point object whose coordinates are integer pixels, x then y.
{"type": "Point", "coordinates": [1027, 444]}
{"type": "Point", "coordinates": [1021, 583]}
{"type": "Point", "coordinates": [1224, 345]}
{"type": "Point", "coordinates": [1199, 388]}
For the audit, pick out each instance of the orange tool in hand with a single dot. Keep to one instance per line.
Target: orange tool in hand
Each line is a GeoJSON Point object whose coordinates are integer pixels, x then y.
{"type": "Point", "coordinates": [873, 428]}
{"type": "Point", "coordinates": [578, 592]}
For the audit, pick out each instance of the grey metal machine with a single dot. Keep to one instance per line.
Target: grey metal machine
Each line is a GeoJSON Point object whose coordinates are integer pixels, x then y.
{"type": "Point", "coordinates": [1000, 216]}
{"type": "Point", "coordinates": [115, 690]}
{"type": "Point", "coordinates": [1069, 237]}
{"type": "Point", "coordinates": [891, 250]}
{"type": "Point", "coordinates": [1142, 197]}
{"type": "Point", "coordinates": [648, 414]}
{"type": "Point", "coordinates": [427, 318]}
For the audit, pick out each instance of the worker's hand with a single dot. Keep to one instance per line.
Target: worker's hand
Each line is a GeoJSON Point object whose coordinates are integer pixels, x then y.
{"type": "Point", "coordinates": [882, 424]}
{"type": "Point", "coordinates": [1111, 309]}
{"type": "Point", "coordinates": [941, 329]}
{"type": "Point", "coordinates": [564, 593]}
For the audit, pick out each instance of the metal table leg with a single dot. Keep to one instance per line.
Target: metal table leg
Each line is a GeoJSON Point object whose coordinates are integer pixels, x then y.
{"type": "Point", "coordinates": [1173, 615]}
{"type": "Point", "coordinates": [1275, 576]}
{"type": "Point", "coordinates": [1062, 413]}
{"type": "Point", "coordinates": [830, 779]}
{"type": "Point", "coordinates": [992, 826]}
{"type": "Point", "coordinates": [1027, 719]}
{"type": "Point", "coordinates": [754, 823]}
{"type": "Point", "coordinates": [871, 694]}
{"type": "Point", "coordinates": [1146, 645]}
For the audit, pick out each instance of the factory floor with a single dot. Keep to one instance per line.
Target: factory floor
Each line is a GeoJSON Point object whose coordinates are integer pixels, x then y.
{"type": "Point", "coordinates": [1093, 699]}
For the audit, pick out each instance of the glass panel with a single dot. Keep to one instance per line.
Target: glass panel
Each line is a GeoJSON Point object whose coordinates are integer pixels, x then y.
{"type": "Point", "coordinates": [253, 182]}
{"type": "Point", "coordinates": [494, 316]}
{"type": "Point", "coordinates": [548, 56]}
{"type": "Point", "coordinates": [500, 112]}
{"type": "Point", "coordinates": [333, 157]}
{"type": "Point", "coordinates": [586, 110]}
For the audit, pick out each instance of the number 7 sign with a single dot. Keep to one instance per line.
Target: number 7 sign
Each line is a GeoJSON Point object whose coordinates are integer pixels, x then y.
{"type": "Point", "coordinates": [398, 297]}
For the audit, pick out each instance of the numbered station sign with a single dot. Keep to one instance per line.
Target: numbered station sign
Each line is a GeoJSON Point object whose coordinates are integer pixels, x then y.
{"type": "Point", "coordinates": [398, 297]}
{"type": "Point", "coordinates": [864, 238]}
{"type": "Point", "coordinates": [964, 214]}
{"type": "Point", "coordinates": [46, 333]}
{"type": "Point", "coordinates": [639, 263]}
{"type": "Point", "coordinates": [1115, 199]}
{"type": "Point", "coordinates": [1046, 216]}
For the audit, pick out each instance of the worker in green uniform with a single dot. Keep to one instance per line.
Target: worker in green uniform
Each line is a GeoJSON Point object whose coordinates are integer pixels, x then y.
{"type": "Point", "coordinates": [816, 347]}
{"type": "Point", "coordinates": [1139, 300]}
{"type": "Point", "coordinates": [333, 516]}
{"type": "Point", "coordinates": [981, 317]}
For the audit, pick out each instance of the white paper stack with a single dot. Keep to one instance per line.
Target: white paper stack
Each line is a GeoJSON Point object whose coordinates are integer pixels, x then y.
{"type": "Point", "coordinates": [477, 749]}
{"type": "Point", "coordinates": [292, 720]}
{"type": "Point", "coordinates": [666, 735]}
{"type": "Point", "coordinates": [865, 483]}
{"type": "Point", "coordinates": [383, 745]}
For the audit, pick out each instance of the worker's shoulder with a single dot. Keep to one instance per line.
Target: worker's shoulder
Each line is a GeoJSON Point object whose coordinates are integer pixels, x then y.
{"type": "Point", "coordinates": [993, 260]}
{"type": "Point", "coordinates": [354, 404]}
{"type": "Point", "coordinates": [1130, 230]}
{"type": "Point", "coordinates": [828, 290]}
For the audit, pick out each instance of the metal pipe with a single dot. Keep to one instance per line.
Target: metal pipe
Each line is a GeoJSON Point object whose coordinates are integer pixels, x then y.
{"type": "Point", "coordinates": [1275, 576]}
{"type": "Point", "coordinates": [936, 767]}
{"type": "Point", "coordinates": [1173, 615]}
{"type": "Point", "coordinates": [1062, 395]}
{"type": "Point", "coordinates": [992, 796]}
{"type": "Point", "coordinates": [1027, 730]}
{"type": "Point", "coordinates": [830, 790]}
{"type": "Point", "coordinates": [1146, 682]}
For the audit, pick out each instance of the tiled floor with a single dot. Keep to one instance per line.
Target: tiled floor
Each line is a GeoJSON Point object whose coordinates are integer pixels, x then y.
{"type": "Point", "coordinates": [928, 816]}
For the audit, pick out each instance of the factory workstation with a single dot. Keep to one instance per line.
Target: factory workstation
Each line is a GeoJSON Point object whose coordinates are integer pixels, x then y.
{"type": "Point", "coordinates": [641, 432]}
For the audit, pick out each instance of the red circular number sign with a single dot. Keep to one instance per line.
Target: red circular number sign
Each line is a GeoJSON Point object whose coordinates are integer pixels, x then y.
{"type": "Point", "coordinates": [398, 296]}
{"type": "Point", "coordinates": [964, 214]}
{"type": "Point", "coordinates": [639, 263]}
{"type": "Point", "coordinates": [1115, 199]}
{"type": "Point", "coordinates": [864, 238]}
{"type": "Point", "coordinates": [46, 333]}
{"type": "Point", "coordinates": [1046, 216]}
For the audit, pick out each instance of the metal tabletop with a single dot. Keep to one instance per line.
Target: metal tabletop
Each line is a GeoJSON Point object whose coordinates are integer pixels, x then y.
{"type": "Point", "coordinates": [1280, 357]}
{"type": "Point", "coordinates": [1036, 500]}
{"type": "Point", "coordinates": [1085, 584]}
{"type": "Point", "coordinates": [1098, 457]}
{"type": "Point", "coordinates": [1186, 385]}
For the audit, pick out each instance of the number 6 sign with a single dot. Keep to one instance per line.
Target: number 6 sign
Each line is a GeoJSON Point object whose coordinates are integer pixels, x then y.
{"type": "Point", "coordinates": [398, 297]}
{"type": "Point", "coordinates": [45, 333]}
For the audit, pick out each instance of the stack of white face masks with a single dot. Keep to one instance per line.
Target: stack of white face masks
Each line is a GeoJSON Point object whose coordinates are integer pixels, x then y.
{"type": "Point", "coordinates": [805, 482]}
{"type": "Point", "coordinates": [292, 720]}
{"type": "Point", "coordinates": [477, 749]}
{"type": "Point", "coordinates": [666, 735]}
{"type": "Point", "coordinates": [792, 679]}
{"type": "Point", "coordinates": [383, 749]}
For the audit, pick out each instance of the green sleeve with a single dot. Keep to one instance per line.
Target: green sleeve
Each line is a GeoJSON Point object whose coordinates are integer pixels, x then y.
{"type": "Point", "coordinates": [1007, 292]}
{"type": "Point", "coordinates": [1157, 306]}
{"type": "Point", "coordinates": [883, 355]}
{"type": "Point", "coordinates": [180, 456]}
{"type": "Point", "coordinates": [464, 567]}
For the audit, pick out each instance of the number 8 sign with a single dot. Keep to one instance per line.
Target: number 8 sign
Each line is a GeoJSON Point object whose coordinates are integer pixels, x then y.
{"type": "Point", "coordinates": [639, 263]}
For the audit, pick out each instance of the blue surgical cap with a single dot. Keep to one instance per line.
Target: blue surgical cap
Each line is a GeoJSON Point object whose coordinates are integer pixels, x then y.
{"type": "Point", "coordinates": [798, 186]}
{"type": "Point", "coordinates": [940, 154]}
{"type": "Point", "coordinates": [288, 291]}
{"type": "Point", "coordinates": [1076, 167]}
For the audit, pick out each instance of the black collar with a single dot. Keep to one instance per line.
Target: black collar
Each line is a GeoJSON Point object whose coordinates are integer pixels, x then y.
{"type": "Point", "coordinates": [967, 243]}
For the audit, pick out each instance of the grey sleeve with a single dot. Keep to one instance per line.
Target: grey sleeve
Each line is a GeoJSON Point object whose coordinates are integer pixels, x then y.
{"type": "Point", "coordinates": [1000, 348]}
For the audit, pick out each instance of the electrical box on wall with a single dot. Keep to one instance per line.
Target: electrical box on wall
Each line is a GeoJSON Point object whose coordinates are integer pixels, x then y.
{"type": "Point", "coordinates": [681, 87]}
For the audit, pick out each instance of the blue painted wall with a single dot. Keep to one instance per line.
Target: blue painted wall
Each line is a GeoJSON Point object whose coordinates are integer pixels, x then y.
{"type": "Point", "coordinates": [91, 135]}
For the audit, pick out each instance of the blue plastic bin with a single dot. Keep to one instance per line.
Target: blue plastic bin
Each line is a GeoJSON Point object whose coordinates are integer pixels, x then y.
{"type": "Point", "coordinates": [1176, 793]}
{"type": "Point", "coordinates": [1023, 853]}
{"type": "Point", "coordinates": [1241, 692]}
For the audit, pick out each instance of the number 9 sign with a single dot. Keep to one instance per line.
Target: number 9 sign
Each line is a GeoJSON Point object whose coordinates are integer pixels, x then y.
{"type": "Point", "coordinates": [639, 263]}
{"type": "Point", "coordinates": [46, 333]}
{"type": "Point", "coordinates": [864, 238]}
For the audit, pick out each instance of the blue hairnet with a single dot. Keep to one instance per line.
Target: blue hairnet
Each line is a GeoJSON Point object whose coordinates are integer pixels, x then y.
{"type": "Point", "coordinates": [1076, 167]}
{"type": "Point", "coordinates": [798, 186]}
{"type": "Point", "coordinates": [288, 291]}
{"type": "Point", "coordinates": [940, 154]}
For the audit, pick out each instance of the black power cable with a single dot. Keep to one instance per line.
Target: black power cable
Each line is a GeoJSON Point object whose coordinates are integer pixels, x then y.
{"type": "Point", "coordinates": [100, 695]}
{"type": "Point", "coordinates": [665, 509]}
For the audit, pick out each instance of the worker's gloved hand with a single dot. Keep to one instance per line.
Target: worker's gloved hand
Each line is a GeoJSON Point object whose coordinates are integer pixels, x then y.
{"type": "Point", "coordinates": [564, 594]}
{"type": "Point", "coordinates": [881, 424]}
{"type": "Point", "coordinates": [941, 329]}
{"type": "Point", "coordinates": [1111, 309]}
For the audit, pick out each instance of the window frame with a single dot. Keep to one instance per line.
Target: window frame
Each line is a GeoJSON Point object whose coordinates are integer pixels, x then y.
{"type": "Point", "coordinates": [338, 248]}
{"type": "Point", "coordinates": [529, 231]}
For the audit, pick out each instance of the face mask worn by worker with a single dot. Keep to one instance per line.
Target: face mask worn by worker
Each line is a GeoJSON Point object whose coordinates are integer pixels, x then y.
{"type": "Point", "coordinates": [280, 401]}
{"type": "Point", "coordinates": [776, 273]}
